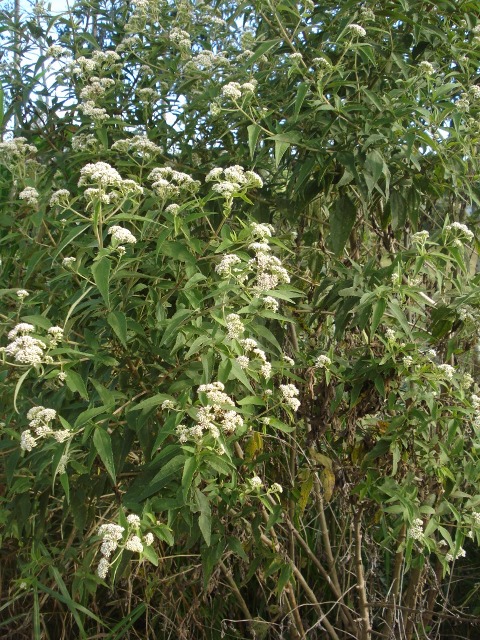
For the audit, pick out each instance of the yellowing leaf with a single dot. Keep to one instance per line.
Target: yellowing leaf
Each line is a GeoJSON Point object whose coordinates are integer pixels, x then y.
{"type": "Point", "coordinates": [327, 478]}
{"type": "Point", "coordinates": [305, 490]}
{"type": "Point", "coordinates": [254, 446]}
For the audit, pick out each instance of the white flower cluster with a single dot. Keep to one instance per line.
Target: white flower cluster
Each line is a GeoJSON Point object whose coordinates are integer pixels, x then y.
{"type": "Point", "coordinates": [235, 90]}
{"type": "Point", "coordinates": [60, 198]}
{"type": "Point", "coordinates": [24, 348]}
{"type": "Point", "coordinates": [139, 146]}
{"type": "Point", "coordinates": [322, 362]}
{"type": "Point", "coordinates": [420, 238]}
{"type": "Point", "coordinates": [147, 94]}
{"type": "Point", "coordinates": [407, 361]}
{"type": "Point", "coordinates": [269, 270]}
{"type": "Point", "coordinates": [180, 38]}
{"type": "Point", "coordinates": [426, 68]}
{"type": "Point", "coordinates": [90, 109]}
{"type": "Point", "coordinates": [233, 180]}
{"type": "Point", "coordinates": [446, 370]}
{"type": "Point", "coordinates": [256, 482]}
{"type": "Point", "coordinates": [215, 418]}
{"type": "Point", "coordinates": [357, 30]}
{"type": "Point", "coordinates": [15, 149]}
{"type": "Point", "coordinates": [461, 228]}
{"type": "Point", "coordinates": [235, 326]}
{"type": "Point", "coordinates": [121, 235]}
{"type": "Point", "coordinates": [226, 265]}
{"type": "Point", "coordinates": [290, 393]}
{"type": "Point", "coordinates": [56, 51]}
{"type": "Point", "coordinates": [68, 261]}
{"type": "Point", "coordinates": [476, 416]}
{"type": "Point", "coordinates": [416, 530]}
{"type": "Point", "coordinates": [56, 335]}
{"type": "Point", "coordinates": [168, 404]}
{"type": "Point", "coordinates": [270, 303]}
{"type": "Point", "coordinates": [84, 67]}
{"type": "Point", "coordinates": [96, 88]}
{"type": "Point", "coordinates": [40, 422]}
{"type": "Point", "coordinates": [22, 293]}
{"type": "Point", "coordinates": [30, 195]}
{"type": "Point", "coordinates": [461, 553]}
{"type": "Point", "coordinates": [84, 142]}
{"type": "Point", "coordinates": [250, 346]}
{"type": "Point", "coordinates": [467, 381]}
{"type": "Point", "coordinates": [390, 334]}
{"type": "Point", "coordinates": [169, 183]}
{"type": "Point", "coordinates": [206, 60]}
{"type": "Point", "coordinates": [111, 535]}
{"type": "Point", "coordinates": [322, 63]}
{"type": "Point", "coordinates": [476, 518]}
{"type": "Point", "coordinates": [105, 176]}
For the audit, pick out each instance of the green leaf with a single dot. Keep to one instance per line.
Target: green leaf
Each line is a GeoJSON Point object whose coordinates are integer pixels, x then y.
{"type": "Point", "coordinates": [301, 94]}
{"type": "Point", "coordinates": [76, 384]}
{"type": "Point", "coordinates": [189, 469]}
{"type": "Point", "coordinates": [174, 323]}
{"type": "Point", "coordinates": [118, 321]}
{"type": "Point", "coordinates": [205, 518]}
{"type": "Point", "coordinates": [103, 445]}
{"type": "Point", "coordinates": [149, 403]}
{"type": "Point", "coordinates": [283, 579]}
{"type": "Point", "coordinates": [150, 555]}
{"type": "Point", "coordinates": [377, 315]}
{"type": "Point", "coordinates": [253, 134]}
{"type": "Point", "coordinates": [262, 50]}
{"type": "Point", "coordinates": [101, 275]}
{"type": "Point", "coordinates": [342, 218]}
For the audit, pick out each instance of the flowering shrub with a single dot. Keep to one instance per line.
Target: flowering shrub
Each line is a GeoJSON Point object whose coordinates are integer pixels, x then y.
{"type": "Point", "coordinates": [240, 320]}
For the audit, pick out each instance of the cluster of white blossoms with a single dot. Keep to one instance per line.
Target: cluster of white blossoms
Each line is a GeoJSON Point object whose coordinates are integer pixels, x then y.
{"type": "Point", "coordinates": [446, 371]}
{"type": "Point", "coordinates": [206, 60]}
{"type": "Point", "coordinates": [15, 149]}
{"type": "Point", "coordinates": [30, 195]}
{"type": "Point", "coordinates": [461, 553]}
{"type": "Point", "coordinates": [290, 395]}
{"type": "Point", "coordinates": [462, 229]}
{"type": "Point", "coordinates": [233, 180]}
{"type": "Point", "coordinates": [84, 142]}
{"type": "Point", "coordinates": [235, 326]}
{"type": "Point", "coordinates": [415, 532]}
{"type": "Point", "coordinates": [226, 266]}
{"type": "Point", "coordinates": [104, 176]}
{"type": "Point", "coordinates": [357, 29]}
{"type": "Point", "coordinates": [322, 362]}
{"type": "Point", "coordinates": [60, 198]}
{"type": "Point", "coordinates": [250, 347]}
{"type": "Point", "coordinates": [24, 348]}
{"type": "Point", "coordinates": [269, 270]}
{"type": "Point", "coordinates": [215, 418]}
{"type": "Point", "coordinates": [148, 95]}
{"type": "Point", "coordinates": [112, 536]}
{"type": "Point", "coordinates": [270, 303]}
{"type": "Point", "coordinates": [40, 423]}
{"type": "Point", "coordinates": [235, 90]}
{"type": "Point", "coordinates": [419, 239]}
{"type": "Point", "coordinates": [476, 416]}
{"type": "Point", "coordinates": [90, 109]}
{"type": "Point", "coordinates": [22, 293]}
{"type": "Point", "coordinates": [426, 68]}
{"type": "Point", "coordinates": [85, 67]}
{"type": "Point", "coordinates": [181, 39]}
{"type": "Point", "coordinates": [96, 88]}
{"type": "Point", "coordinates": [169, 183]}
{"type": "Point", "coordinates": [256, 482]}
{"type": "Point", "coordinates": [121, 236]}
{"type": "Point", "coordinates": [56, 51]}
{"type": "Point", "coordinates": [68, 261]}
{"type": "Point", "coordinates": [138, 146]}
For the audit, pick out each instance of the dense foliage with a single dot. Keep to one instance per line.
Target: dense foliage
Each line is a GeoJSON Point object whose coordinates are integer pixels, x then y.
{"type": "Point", "coordinates": [240, 320]}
